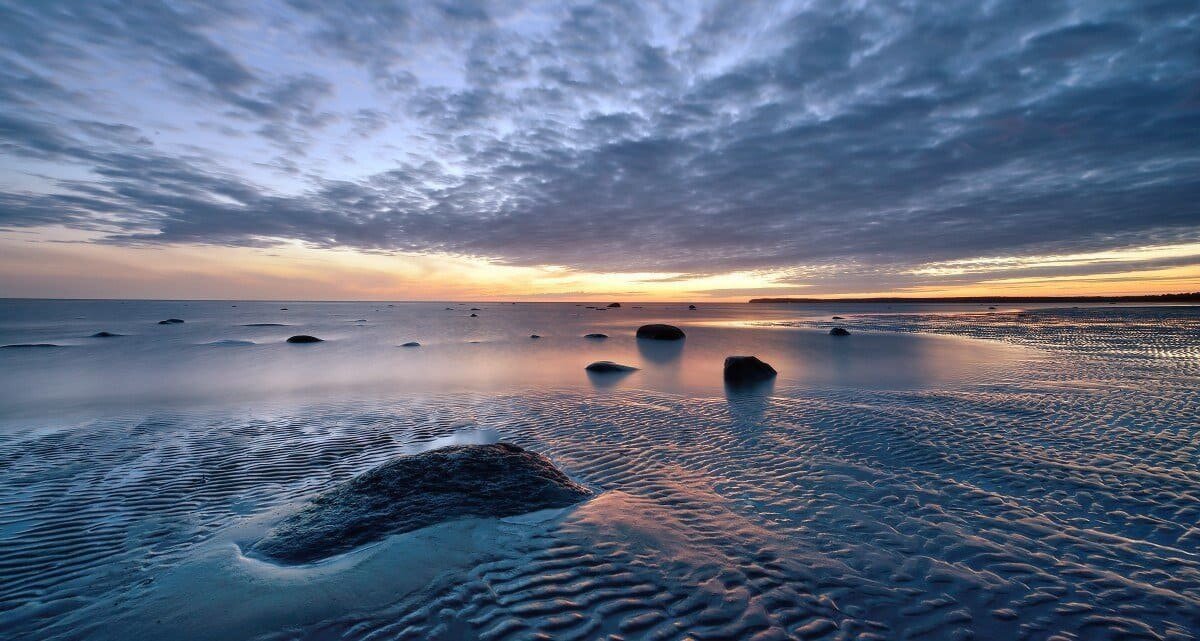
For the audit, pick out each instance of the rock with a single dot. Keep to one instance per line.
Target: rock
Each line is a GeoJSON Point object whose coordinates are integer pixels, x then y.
{"type": "Point", "coordinates": [264, 325]}
{"type": "Point", "coordinates": [747, 369]}
{"type": "Point", "coordinates": [413, 492]}
{"type": "Point", "coordinates": [28, 346]}
{"type": "Point", "coordinates": [660, 332]}
{"type": "Point", "coordinates": [476, 309]}
{"type": "Point", "coordinates": [614, 305]}
{"type": "Point", "coordinates": [839, 331]}
{"type": "Point", "coordinates": [171, 321]}
{"type": "Point", "coordinates": [596, 335]}
{"type": "Point", "coordinates": [534, 336]}
{"type": "Point", "coordinates": [838, 318]}
{"type": "Point", "coordinates": [283, 309]}
{"type": "Point", "coordinates": [991, 307]}
{"type": "Point", "coordinates": [607, 367]}
{"type": "Point", "coordinates": [449, 309]}
{"type": "Point", "coordinates": [105, 335]}
{"type": "Point", "coordinates": [474, 315]}
{"type": "Point", "coordinates": [411, 344]}
{"type": "Point", "coordinates": [691, 307]}
{"type": "Point", "coordinates": [304, 338]}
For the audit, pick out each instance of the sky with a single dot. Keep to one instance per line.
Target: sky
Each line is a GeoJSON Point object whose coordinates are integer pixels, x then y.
{"type": "Point", "coordinates": [673, 150]}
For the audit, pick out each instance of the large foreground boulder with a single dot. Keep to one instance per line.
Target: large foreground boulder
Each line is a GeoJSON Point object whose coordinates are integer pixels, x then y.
{"type": "Point", "coordinates": [741, 370]}
{"type": "Point", "coordinates": [660, 332]}
{"type": "Point", "coordinates": [412, 492]}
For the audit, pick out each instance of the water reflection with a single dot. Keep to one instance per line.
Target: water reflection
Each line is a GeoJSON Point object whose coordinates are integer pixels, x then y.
{"type": "Point", "coordinates": [748, 402]}
{"type": "Point", "coordinates": [660, 352]}
{"type": "Point", "coordinates": [602, 380]}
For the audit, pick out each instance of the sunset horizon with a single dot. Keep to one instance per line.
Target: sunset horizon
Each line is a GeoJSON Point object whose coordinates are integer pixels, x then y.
{"type": "Point", "coordinates": [599, 320]}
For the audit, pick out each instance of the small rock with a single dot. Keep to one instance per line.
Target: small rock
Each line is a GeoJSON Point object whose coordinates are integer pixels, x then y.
{"type": "Point", "coordinates": [534, 336]}
{"type": "Point", "coordinates": [411, 344]}
{"type": "Point", "coordinates": [105, 335]}
{"type": "Point", "coordinates": [474, 316]}
{"type": "Point", "coordinates": [660, 332]}
{"type": "Point", "coordinates": [171, 321]}
{"type": "Point", "coordinates": [747, 369]}
{"type": "Point", "coordinates": [476, 309]}
{"type": "Point", "coordinates": [303, 338]}
{"type": "Point", "coordinates": [606, 367]}
{"type": "Point", "coordinates": [596, 335]}
{"type": "Point", "coordinates": [614, 304]}
{"type": "Point", "coordinates": [691, 307]}
{"type": "Point", "coordinates": [838, 318]}
{"type": "Point", "coordinates": [839, 331]}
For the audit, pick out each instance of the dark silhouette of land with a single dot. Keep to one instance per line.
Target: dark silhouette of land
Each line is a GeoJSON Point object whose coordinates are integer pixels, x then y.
{"type": "Point", "coordinates": [1193, 297]}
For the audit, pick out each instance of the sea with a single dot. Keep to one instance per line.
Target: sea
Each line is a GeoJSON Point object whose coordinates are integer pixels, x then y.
{"type": "Point", "coordinates": [965, 471]}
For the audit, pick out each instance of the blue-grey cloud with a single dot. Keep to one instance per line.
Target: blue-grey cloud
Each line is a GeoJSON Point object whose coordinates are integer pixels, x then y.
{"type": "Point", "coordinates": [694, 137]}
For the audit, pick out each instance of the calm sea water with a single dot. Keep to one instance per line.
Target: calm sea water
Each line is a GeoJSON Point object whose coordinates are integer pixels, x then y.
{"type": "Point", "coordinates": [944, 472]}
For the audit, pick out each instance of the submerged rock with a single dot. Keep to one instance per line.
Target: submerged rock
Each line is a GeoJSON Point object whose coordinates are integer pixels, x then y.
{"type": "Point", "coordinates": [105, 335]}
{"type": "Point", "coordinates": [660, 332]}
{"type": "Point", "coordinates": [691, 307]}
{"type": "Point", "coordinates": [747, 369]}
{"type": "Point", "coordinates": [614, 304]}
{"type": "Point", "coordinates": [839, 331]}
{"type": "Point", "coordinates": [534, 336]}
{"type": "Point", "coordinates": [474, 315]}
{"type": "Point", "coordinates": [411, 344]}
{"type": "Point", "coordinates": [595, 335]}
{"type": "Point", "coordinates": [412, 492]}
{"type": "Point", "coordinates": [606, 367]}
{"type": "Point", "coordinates": [171, 321]}
{"type": "Point", "coordinates": [304, 338]}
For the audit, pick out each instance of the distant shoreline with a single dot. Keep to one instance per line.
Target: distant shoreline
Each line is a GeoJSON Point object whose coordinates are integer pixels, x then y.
{"type": "Point", "coordinates": [1193, 297]}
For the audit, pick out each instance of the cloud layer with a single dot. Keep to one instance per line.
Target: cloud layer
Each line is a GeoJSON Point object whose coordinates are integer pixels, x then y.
{"type": "Point", "coordinates": [699, 138]}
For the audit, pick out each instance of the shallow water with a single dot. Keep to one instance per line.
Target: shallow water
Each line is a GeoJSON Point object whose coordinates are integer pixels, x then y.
{"type": "Point", "coordinates": [944, 472]}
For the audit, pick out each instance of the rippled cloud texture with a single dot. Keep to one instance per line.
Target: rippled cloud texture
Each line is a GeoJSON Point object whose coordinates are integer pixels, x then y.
{"type": "Point", "coordinates": [835, 146]}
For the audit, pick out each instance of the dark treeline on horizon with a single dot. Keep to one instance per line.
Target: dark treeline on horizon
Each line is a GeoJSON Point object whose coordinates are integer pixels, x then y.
{"type": "Point", "coordinates": [1192, 297]}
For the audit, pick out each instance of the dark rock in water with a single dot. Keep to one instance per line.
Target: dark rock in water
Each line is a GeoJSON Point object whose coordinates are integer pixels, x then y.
{"type": "Point", "coordinates": [614, 304]}
{"type": "Point", "coordinates": [691, 307]}
{"type": "Point", "coordinates": [283, 309]}
{"type": "Point", "coordinates": [596, 335]}
{"type": "Point", "coordinates": [171, 321]}
{"type": "Point", "coordinates": [412, 492]}
{"type": "Point", "coordinates": [304, 338]}
{"type": "Point", "coordinates": [534, 336]}
{"type": "Point", "coordinates": [411, 344]}
{"type": "Point", "coordinates": [605, 367]}
{"type": "Point", "coordinates": [449, 309]}
{"type": "Point", "coordinates": [28, 345]}
{"type": "Point", "coordinates": [476, 309]}
{"type": "Point", "coordinates": [360, 320]}
{"type": "Point", "coordinates": [474, 315]}
{"type": "Point", "coordinates": [991, 307]}
{"type": "Point", "coordinates": [264, 325]}
{"type": "Point", "coordinates": [838, 318]}
{"type": "Point", "coordinates": [839, 331]}
{"type": "Point", "coordinates": [660, 332]}
{"type": "Point", "coordinates": [105, 335]}
{"type": "Point", "coordinates": [747, 369]}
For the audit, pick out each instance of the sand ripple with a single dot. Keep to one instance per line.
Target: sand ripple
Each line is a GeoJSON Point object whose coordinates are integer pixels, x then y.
{"type": "Point", "coordinates": [1059, 497]}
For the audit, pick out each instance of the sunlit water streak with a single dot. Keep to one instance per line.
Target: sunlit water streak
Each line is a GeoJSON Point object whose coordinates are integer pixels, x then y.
{"type": "Point", "coordinates": [1005, 475]}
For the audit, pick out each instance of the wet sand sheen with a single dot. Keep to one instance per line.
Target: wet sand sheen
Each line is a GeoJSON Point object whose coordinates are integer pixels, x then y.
{"type": "Point", "coordinates": [985, 488]}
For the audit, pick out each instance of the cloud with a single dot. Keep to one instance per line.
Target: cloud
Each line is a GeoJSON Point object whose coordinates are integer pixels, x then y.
{"type": "Point", "coordinates": [670, 137]}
